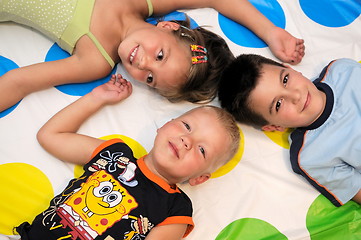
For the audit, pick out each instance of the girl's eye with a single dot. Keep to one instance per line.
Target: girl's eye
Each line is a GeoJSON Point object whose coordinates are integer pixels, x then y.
{"type": "Point", "coordinates": [285, 80]}
{"type": "Point", "coordinates": [187, 126]}
{"type": "Point", "coordinates": [278, 104]}
{"type": "Point", "coordinates": [160, 56]}
{"type": "Point", "coordinates": [150, 78]}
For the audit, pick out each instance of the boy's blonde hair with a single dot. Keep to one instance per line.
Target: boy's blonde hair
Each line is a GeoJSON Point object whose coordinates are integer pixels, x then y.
{"type": "Point", "coordinates": [230, 125]}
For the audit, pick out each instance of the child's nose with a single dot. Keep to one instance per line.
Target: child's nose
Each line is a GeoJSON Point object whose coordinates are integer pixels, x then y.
{"type": "Point", "coordinates": [142, 63]}
{"type": "Point", "coordinates": [187, 142]}
{"type": "Point", "coordinates": [145, 63]}
{"type": "Point", "coordinates": [295, 96]}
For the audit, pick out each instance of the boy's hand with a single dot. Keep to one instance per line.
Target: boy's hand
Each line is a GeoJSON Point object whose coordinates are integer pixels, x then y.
{"type": "Point", "coordinates": [114, 91]}
{"type": "Point", "coordinates": [61, 129]}
{"type": "Point", "coordinates": [286, 47]}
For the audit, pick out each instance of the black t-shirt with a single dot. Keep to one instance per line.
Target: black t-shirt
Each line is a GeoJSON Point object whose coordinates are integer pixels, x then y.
{"type": "Point", "coordinates": [117, 197]}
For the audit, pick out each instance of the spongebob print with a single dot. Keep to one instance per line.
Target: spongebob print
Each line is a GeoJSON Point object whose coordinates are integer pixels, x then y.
{"type": "Point", "coordinates": [116, 162]}
{"type": "Point", "coordinates": [113, 200]}
{"type": "Point", "coordinates": [96, 206]}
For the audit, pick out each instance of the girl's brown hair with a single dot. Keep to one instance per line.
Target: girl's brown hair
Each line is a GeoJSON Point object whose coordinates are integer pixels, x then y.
{"type": "Point", "coordinates": [203, 78]}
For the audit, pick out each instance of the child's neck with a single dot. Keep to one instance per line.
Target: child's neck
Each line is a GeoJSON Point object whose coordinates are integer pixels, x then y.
{"type": "Point", "coordinates": [324, 100]}
{"type": "Point", "coordinates": [149, 162]}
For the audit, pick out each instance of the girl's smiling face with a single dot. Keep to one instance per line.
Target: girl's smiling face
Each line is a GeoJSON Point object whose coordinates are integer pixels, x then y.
{"type": "Point", "coordinates": [155, 56]}
{"type": "Point", "coordinates": [286, 99]}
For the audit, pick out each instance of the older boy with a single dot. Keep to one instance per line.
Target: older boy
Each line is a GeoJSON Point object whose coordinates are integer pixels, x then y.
{"type": "Point", "coordinates": [325, 147]}
{"type": "Point", "coordinates": [118, 196]}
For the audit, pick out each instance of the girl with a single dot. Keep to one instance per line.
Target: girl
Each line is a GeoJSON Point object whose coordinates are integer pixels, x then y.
{"type": "Point", "coordinates": [100, 33]}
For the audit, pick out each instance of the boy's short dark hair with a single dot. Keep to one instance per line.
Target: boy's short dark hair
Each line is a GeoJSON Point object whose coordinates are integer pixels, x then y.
{"type": "Point", "coordinates": [239, 79]}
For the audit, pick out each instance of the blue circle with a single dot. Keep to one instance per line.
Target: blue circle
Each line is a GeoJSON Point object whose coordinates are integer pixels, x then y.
{"type": "Point", "coordinates": [332, 13]}
{"type": "Point", "coordinates": [5, 66]}
{"type": "Point", "coordinates": [180, 16]}
{"type": "Point", "coordinates": [73, 89]}
{"type": "Point", "coordinates": [241, 35]}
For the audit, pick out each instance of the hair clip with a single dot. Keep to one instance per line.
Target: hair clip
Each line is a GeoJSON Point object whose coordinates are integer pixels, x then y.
{"type": "Point", "coordinates": [202, 58]}
{"type": "Point", "coordinates": [184, 27]}
{"type": "Point", "coordinates": [199, 59]}
{"type": "Point", "coordinates": [198, 48]}
{"type": "Point", "coordinates": [187, 35]}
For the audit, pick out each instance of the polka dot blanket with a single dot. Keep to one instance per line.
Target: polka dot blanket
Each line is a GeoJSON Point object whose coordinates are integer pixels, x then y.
{"type": "Point", "coordinates": [255, 196]}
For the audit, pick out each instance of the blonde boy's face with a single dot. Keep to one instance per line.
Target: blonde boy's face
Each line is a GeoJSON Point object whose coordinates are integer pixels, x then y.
{"type": "Point", "coordinates": [189, 146]}
{"type": "Point", "coordinates": [286, 99]}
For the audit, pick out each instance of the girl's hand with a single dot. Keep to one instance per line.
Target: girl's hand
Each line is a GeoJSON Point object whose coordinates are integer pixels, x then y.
{"type": "Point", "coordinates": [114, 91]}
{"type": "Point", "coordinates": [286, 47]}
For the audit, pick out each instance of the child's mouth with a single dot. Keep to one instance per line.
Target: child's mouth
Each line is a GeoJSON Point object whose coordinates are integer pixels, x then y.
{"type": "Point", "coordinates": [174, 149]}
{"type": "Point", "coordinates": [133, 54]}
{"type": "Point", "coordinates": [307, 102]}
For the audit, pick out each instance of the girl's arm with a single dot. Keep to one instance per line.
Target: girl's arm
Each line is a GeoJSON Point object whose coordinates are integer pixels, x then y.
{"type": "Point", "coordinates": [282, 44]}
{"type": "Point", "coordinates": [85, 65]}
{"type": "Point", "coordinates": [167, 232]}
{"type": "Point", "coordinates": [58, 136]}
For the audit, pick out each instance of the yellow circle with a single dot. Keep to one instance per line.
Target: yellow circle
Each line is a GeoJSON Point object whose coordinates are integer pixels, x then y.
{"type": "Point", "coordinates": [280, 138]}
{"type": "Point", "coordinates": [234, 161]}
{"type": "Point", "coordinates": [137, 148]}
{"type": "Point", "coordinates": [25, 192]}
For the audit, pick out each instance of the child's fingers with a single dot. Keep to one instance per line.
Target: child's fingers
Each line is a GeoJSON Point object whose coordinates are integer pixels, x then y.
{"type": "Point", "coordinates": [113, 77]}
{"type": "Point", "coordinates": [123, 84]}
{"type": "Point", "coordinates": [119, 76]}
{"type": "Point", "coordinates": [300, 41]}
{"type": "Point", "coordinates": [130, 87]}
{"type": "Point", "coordinates": [121, 79]}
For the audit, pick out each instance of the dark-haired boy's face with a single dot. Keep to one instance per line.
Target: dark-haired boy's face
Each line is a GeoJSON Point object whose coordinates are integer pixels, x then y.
{"type": "Point", "coordinates": [285, 98]}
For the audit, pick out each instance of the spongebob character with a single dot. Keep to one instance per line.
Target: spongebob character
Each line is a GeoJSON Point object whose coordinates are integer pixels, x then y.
{"type": "Point", "coordinates": [98, 205]}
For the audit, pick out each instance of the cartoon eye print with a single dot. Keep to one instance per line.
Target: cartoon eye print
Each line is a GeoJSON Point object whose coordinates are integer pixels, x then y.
{"type": "Point", "coordinates": [106, 191]}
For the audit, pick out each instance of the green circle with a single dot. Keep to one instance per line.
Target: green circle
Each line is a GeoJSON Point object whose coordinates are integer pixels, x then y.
{"type": "Point", "coordinates": [250, 229]}
{"type": "Point", "coordinates": [325, 221]}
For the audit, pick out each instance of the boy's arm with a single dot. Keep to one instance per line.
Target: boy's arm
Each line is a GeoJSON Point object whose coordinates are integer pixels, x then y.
{"type": "Point", "coordinates": [58, 136]}
{"type": "Point", "coordinates": [282, 44]}
{"type": "Point", "coordinates": [357, 197]}
{"type": "Point", "coordinates": [167, 232]}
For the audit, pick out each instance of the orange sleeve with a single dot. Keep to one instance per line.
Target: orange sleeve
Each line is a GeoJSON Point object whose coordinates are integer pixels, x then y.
{"type": "Point", "coordinates": [106, 144]}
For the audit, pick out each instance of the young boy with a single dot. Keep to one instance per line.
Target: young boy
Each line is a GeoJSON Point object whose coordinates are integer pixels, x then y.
{"type": "Point", "coordinates": [118, 196]}
{"type": "Point", "coordinates": [325, 113]}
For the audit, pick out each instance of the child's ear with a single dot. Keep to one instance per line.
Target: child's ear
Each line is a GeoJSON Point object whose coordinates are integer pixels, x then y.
{"type": "Point", "coordinates": [168, 25]}
{"type": "Point", "coordinates": [271, 128]}
{"type": "Point", "coordinates": [198, 180]}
